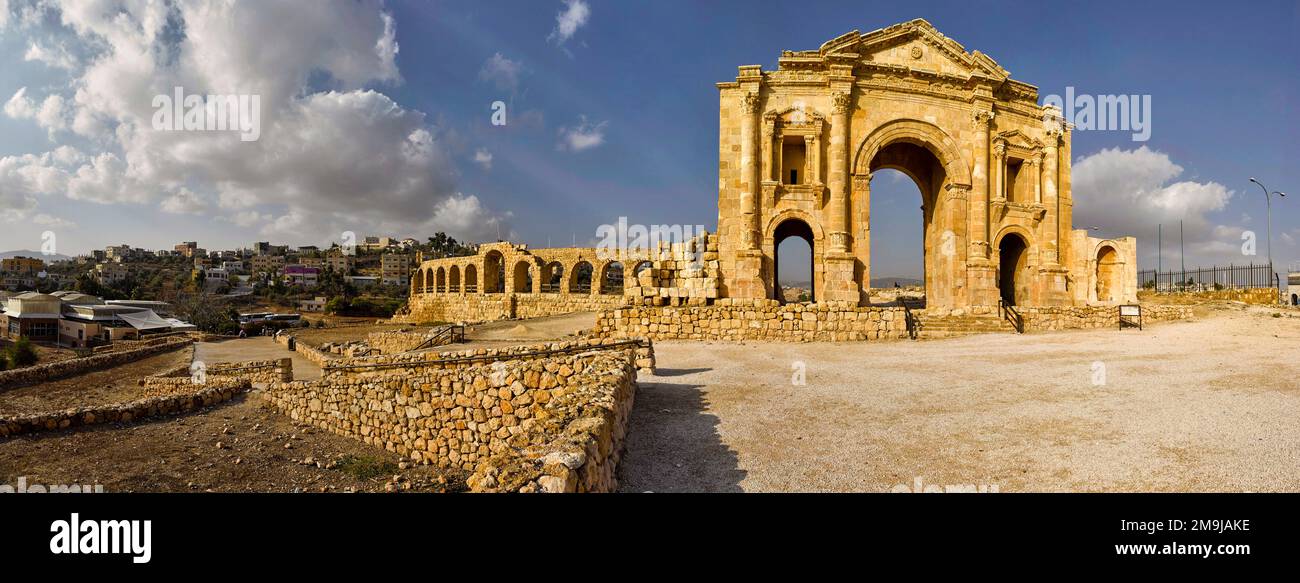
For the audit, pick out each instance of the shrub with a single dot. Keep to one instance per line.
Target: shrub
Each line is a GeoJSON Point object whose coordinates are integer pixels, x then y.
{"type": "Point", "coordinates": [22, 353]}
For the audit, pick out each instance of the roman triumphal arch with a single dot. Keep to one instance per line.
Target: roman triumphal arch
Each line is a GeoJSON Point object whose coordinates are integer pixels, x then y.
{"type": "Point", "coordinates": [798, 146]}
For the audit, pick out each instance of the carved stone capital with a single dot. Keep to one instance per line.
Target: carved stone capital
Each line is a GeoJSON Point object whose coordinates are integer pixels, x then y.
{"type": "Point", "coordinates": [839, 241]}
{"type": "Point", "coordinates": [957, 191]}
{"type": "Point", "coordinates": [981, 118]}
{"type": "Point", "coordinates": [862, 182]}
{"type": "Point", "coordinates": [1000, 149]}
{"type": "Point", "coordinates": [750, 102]}
{"type": "Point", "coordinates": [841, 101]}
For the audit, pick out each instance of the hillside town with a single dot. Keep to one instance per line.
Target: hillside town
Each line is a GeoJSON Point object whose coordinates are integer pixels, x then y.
{"type": "Point", "coordinates": [123, 292]}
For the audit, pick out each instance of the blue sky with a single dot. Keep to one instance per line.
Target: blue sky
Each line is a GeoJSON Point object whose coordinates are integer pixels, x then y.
{"type": "Point", "coordinates": [615, 115]}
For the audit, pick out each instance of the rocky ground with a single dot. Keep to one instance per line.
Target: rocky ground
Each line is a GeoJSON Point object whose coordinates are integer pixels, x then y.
{"type": "Point", "coordinates": [240, 446]}
{"type": "Point", "coordinates": [115, 385]}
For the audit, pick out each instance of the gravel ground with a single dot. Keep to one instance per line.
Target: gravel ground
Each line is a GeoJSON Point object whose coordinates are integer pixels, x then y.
{"type": "Point", "coordinates": [1209, 405]}
{"type": "Point", "coordinates": [255, 348]}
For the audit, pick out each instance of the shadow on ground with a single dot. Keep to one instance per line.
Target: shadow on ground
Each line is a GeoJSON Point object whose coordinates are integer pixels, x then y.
{"type": "Point", "coordinates": [673, 444]}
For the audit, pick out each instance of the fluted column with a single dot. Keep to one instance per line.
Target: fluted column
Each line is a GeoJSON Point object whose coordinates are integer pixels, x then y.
{"type": "Point", "coordinates": [749, 171]}
{"type": "Point", "coordinates": [979, 196]}
{"type": "Point", "coordinates": [1050, 176]}
{"type": "Point", "coordinates": [1036, 164]}
{"type": "Point", "coordinates": [841, 103]}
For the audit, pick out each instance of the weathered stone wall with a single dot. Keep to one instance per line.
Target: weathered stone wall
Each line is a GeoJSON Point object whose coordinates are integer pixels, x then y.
{"type": "Point", "coordinates": [308, 351]}
{"type": "Point", "coordinates": [159, 401]}
{"type": "Point", "coordinates": [552, 424]}
{"type": "Point", "coordinates": [396, 341]}
{"type": "Point", "coordinates": [735, 319]}
{"type": "Point", "coordinates": [40, 373]}
{"type": "Point", "coordinates": [1043, 319]}
{"type": "Point", "coordinates": [429, 308]}
{"type": "Point", "coordinates": [255, 371]}
{"type": "Point", "coordinates": [639, 349]}
{"type": "Point", "coordinates": [1254, 295]}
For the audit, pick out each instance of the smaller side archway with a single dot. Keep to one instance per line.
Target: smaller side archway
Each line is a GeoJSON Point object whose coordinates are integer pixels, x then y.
{"type": "Point", "coordinates": [494, 272]}
{"type": "Point", "coordinates": [1014, 276]}
{"type": "Point", "coordinates": [611, 278]}
{"type": "Point", "coordinates": [581, 278]}
{"type": "Point", "coordinates": [417, 282]}
{"type": "Point", "coordinates": [522, 277]}
{"type": "Point", "coordinates": [553, 277]}
{"type": "Point", "coordinates": [1108, 274]}
{"type": "Point", "coordinates": [471, 279]}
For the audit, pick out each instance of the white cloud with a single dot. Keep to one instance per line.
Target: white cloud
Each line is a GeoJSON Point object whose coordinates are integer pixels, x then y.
{"type": "Point", "coordinates": [466, 218]}
{"type": "Point", "coordinates": [19, 106]}
{"type": "Point", "coordinates": [501, 72]}
{"type": "Point", "coordinates": [569, 20]}
{"type": "Point", "coordinates": [483, 158]}
{"type": "Point", "coordinates": [583, 136]}
{"type": "Point", "coordinates": [4, 14]}
{"type": "Point", "coordinates": [347, 158]}
{"type": "Point", "coordinates": [184, 202]}
{"type": "Point", "coordinates": [52, 221]}
{"type": "Point", "coordinates": [1131, 191]}
{"type": "Point", "coordinates": [57, 57]}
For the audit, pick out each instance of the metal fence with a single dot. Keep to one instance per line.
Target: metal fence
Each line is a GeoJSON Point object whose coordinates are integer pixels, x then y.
{"type": "Point", "coordinates": [1253, 275]}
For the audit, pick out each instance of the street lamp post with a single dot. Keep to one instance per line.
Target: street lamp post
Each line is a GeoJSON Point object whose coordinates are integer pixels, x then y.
{"type": "Point", "coordinates": [1268, 203]}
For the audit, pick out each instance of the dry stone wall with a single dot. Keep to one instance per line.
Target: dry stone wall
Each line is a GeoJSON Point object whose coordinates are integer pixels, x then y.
{"type": "Point", "coordinates": [159, 401]}
{"type": "Point", "coordinates": [553, 424]}
{"type": "Point", "coordinates": [1043, 319]}
{"type": "Point", "coordinates": [1257, 295]}
{"type": "Point", "coordinates": [733, 319]}
{"type": "Point", "coordinates": [639, 350]}
{"type": "Point", "coordinates": [40, 373]}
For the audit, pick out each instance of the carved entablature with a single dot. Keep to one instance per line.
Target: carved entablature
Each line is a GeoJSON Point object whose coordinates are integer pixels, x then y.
{"type": "Point", "coordinates": [1001, 210]}
{"type": "Point", "coordinates": [1014, 144]}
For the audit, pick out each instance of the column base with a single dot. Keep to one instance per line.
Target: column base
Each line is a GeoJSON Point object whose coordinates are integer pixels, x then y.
{"type": "Point", "coordinates": [1054, 290]}
{"type": "Point", "coordinates": [838, 284]}
{"type": "Point", "coordinates": [981, 282]}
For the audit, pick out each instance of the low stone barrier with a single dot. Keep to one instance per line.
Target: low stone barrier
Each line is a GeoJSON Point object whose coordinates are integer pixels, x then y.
{"type": "Point", "coordinates": [1046, 319]}
{"type": "Point", "coordinates": [549, 424]}
{"type": "Point", "coordinates": [427, 308]}
{"type": "Point", "coordinates": [40, 373]}
{"type": "Point", "coordinates": [640, 352]}
{"type": "Point", "coordinates": [158, 402]}
{"type": "Point", "coordinates": [1254, 295]}
{"type": "Point", "coordinates": [311, 353]}
{"type": "Point", "coordinates": [254, 371]}
{"type": "Point", "coordinates": [735, 320]}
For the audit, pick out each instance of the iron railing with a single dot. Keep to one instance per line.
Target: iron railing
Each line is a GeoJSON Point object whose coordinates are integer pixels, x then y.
{"type": "Point", "coordinates": [1252, 275]}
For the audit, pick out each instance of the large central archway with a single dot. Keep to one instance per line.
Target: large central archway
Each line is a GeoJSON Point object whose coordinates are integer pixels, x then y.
{"type": "Point", "coordinates": [1013, 270]}
{"type": "Point", "coordinates": [931, 159]}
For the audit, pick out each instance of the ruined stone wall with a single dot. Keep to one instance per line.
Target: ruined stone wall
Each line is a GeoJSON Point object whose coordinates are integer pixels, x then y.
{"type": "Point", "coordinates": [254, 371]}
{"type": "Point", "coordinates": [736, 319]}
{"type": "Point", "coordinates": [553, 424]}
{"type": "Point", "coordinates": [159, 401]}
{"type": "Point", "coordinates": [1044, 319]}
{"type": "Point", "coordinates": [1255, 295]}
{"type": "Point", "coordinates": [40, 373]}
{"type": "Point", "coordinates": [640, 351]}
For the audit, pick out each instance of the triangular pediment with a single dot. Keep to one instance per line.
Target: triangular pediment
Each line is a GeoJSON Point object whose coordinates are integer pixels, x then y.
{"type": "Point", "coordinates": [917, 45]}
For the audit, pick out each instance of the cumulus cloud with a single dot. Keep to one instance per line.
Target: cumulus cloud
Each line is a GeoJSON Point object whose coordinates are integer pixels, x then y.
{"type": "Point", "coordinates": [335, 152]}
{"type": "Point", "coordinates": [52, 222]}
{"type": "Point", "coordinates": [1131, 191]}
{"type": "Point", "coordinates": [56, 56]}
{"type": "Point", "coordinates": [184, 202]}
{"type": "Point", "coordinates": [501, 72]}
{"type": "Point", "coordinates": [483, 158]}
{"type": "Point", "coordinates": [584, 136]}
{"type": "Point", "coordinates": [569, 20]}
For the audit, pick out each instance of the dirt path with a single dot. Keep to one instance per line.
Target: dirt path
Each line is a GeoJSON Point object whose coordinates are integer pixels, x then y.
{"type": "Point", "coordinates": [1210, 405]}
{"type": "Point", "coordinates": [115, 385]}
{"type": "Point", "coordinates": [255, 348]}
